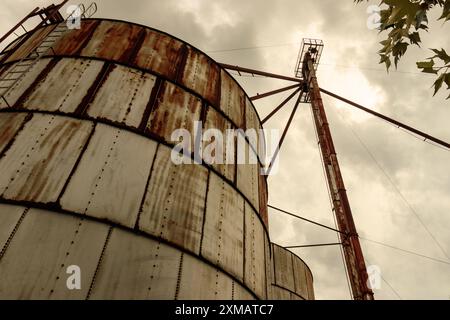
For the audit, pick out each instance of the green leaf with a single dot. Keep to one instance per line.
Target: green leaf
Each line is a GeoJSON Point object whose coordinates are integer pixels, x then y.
{"type": "Point", "coordinates": [441, 54]}
{"type": "Point", "coordinates": [425, 64]}
{"type": "Point", "coordinates": [438, 83]}
{"type": "Point", "coordinates": [414, 38]}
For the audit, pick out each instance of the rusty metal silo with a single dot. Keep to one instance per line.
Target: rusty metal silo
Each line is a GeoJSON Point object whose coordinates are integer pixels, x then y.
{"type": "Point", "coordinates": [87, 177]}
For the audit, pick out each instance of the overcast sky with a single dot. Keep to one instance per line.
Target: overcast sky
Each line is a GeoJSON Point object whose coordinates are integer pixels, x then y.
{"type": "Point", "coordinates": [391, 177]}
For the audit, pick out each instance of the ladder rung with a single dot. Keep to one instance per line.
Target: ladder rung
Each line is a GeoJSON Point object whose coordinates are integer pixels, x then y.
{"type": "Point", "coordinates": [13, 79]}
{"type": "Point", "coordinates": [17, 71]}
{"type": "Point", "coordinates": [23, 65]}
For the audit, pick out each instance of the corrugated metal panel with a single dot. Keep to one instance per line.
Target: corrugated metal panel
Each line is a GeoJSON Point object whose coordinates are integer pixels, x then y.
{"type": "Point", "coordinates": [174, 109]}
{"type": "Point", "coordinates": [295, 297]}
{"type": "Point", "coordinates": [284, 273]}
{"type": "Point", "coordinates": [45, 244]}
{"type": "Point", "coordinates": [252, 122]}
{"type": "Point", "coordinates": [214, 120]}
{"type": "Point", "coordinates": [263, 196]}
{"type": "Point", "coordinates": [160, 53]}
{"type": "Point", "coordinates": [65, 86]}
{"type": "Point", "coordinates": [269, 266]}
{"type": "Point", "coordinates": [174, 201]}
{"type": "Point", "coordinates": [200, 281]}
{"type": "Point", "coordinates": [135, 267]}
{"type": "Point", "coordinates": [309, 282]}
{"type": "Point", "coordinates": [19, 88]}
{"type": "Point", "coordinates": [73, 41]}
{"type": "Point", "coordinates": [110, 180]}
{"type": "Point", "coordinates": [9, 217]}
{"type": "Point", "coordinates": [202, 75]}
{"type": "Point", "coordinates": [232, 99]}
{"type": "Point", "coordinates": [223, 235]}
{"type": "Point", "coordinates": [31, 43]}
{"type": "Point", "coordinates": [9, 125]}
{"type": "Point", "coordinates": [41, 158]}
{"type": "Point", "coordinates": [280, 294]}
{"type": "Point", "coordinates": [241, 293]}
{"type": "Point", "coordinates": [123, 97]}
{"type": "Point", "coordinates": [255, 265]}
{"type": "Point", "coordinates": [112, 40]}
{"type": "Point", "coordinates": [248, 177]}
{"type": "Point", "coordinates": [300, 278]}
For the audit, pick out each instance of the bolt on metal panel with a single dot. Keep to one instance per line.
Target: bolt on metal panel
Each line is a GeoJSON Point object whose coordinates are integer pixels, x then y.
{"type": "Point", "coordinates": [10, 124]}
{"type": "Point", "coordinates": [309, 282]}
{"type": "Point", "coordinates": [202, 75]}
{"type": "Point", "coordinates": [123, 96]}
{"type": "Point", "coordinates": [200, 281]}
{"type": "Point", "coordinates": [223, 232]}
{"type": "Point", "coordinates": [280, 294]}
{"type": "Point", "coordinates": [232, 99]}
{"type": "Point", "coordinates": [248, 176]}
{"type": "Point", "coordinates": [268, 265]}
{"type": "Point", "coordinates": [9, 218]}
{"type": "Point", "coordinates": [241, 293]}
{"type": "Point", "coordinates": [135, 267]}
{"type": "Point", "coordinates": [160, 53]}
{"type": "Point", "coordinates": [30, 44]}
{"type": "Point", "coordinates": [112, 40]}
{"type": "Point", "coordinates": [215, 121]}
{"type": "Point", "coordinates": [110, 180]}
{"type": "Point", "coordinates": [41, 158]}
{"type": "Point", "coordinates": [300, 277]}
{"type": "Point", "coordinates": [46, 243]}
{"type": "Point", "coordinates": [284, 273]}
{"type": "Point", "coordinates": [174, 109]}
{"type": "Point", "coordinates": [174, 201]}
{"type": "Point", "coordinates": [23, 84]}
{"type": "Point", "coordinates": [69, 80]}
{"type": "Point", "coordinates": [255, 264]}
{"type": "Point", "coordinates": [252, 122]}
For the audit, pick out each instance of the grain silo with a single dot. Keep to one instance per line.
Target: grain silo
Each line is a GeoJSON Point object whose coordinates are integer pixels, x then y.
{"type": "Point", "coordinates": [87, 178]}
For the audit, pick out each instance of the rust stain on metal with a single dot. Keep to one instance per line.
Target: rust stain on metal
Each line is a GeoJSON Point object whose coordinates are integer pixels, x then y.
{"type": "Point", "coordinates": [214, 120]}
{"type": "Point", "coordinates": [196, 276]}
{"type": "Point", "coordinates": [31, 43]}
{"type": "Point", "coordinates": [174, 109]}
{"type": "Point", "coordinates": [223, 231]}
{"type": "Point", "coordinates": [112, 41]}
{"type": "Point", "coordinates": [232, 100]}
{"type": "Point", "coordinates": [70, 79]}
{"type": "Point", "coordinates": [74, 41]}
{"type": "Point", "coordinates": [174, 202]}
{"type": "Point", "coordinates": [202, 75]}
{"type": "Point", "coordinates": [255, 265]}
{"type": "Point", "coordinates": [109, 181]}
{"type": "Point", "coordinates": [10, 124]}
{"type": "Point", "coordinates": [132, 264]}
{"type": "Point", "coordinates": [263, 198]}
{"type": "Point", "coordinates": [160, 53]}
{"type": "Point", "coordinates": [41, 157]}
{"type": "Point", "coordinates": [284, 272]}
{"type": "Point", "coordinates": [123, 96]}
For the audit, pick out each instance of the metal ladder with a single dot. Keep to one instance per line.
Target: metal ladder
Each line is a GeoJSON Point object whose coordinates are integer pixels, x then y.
{"type": "Point", "coordinates": [17, 72]}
